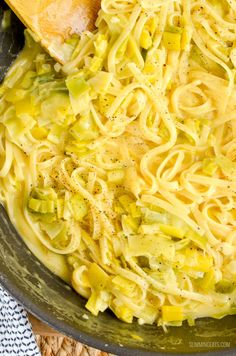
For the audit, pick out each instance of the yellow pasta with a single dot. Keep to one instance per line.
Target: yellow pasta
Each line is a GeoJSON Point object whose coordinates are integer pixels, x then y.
{"type": "Point", "coordinates": [119, 168]}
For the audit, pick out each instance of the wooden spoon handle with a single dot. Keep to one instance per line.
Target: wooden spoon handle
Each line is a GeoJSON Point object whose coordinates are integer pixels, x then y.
{"type": "Point", "coordinates": [55, 20]}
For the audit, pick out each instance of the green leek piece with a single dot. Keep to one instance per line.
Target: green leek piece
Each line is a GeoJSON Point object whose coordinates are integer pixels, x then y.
{"type": "Point", "coordinates": [56, 134]}
{"type": "Point", "coordinates": [172, 231]}
{"type": "Point", "coordinates": [135, 210]}
{"type": "Point", "coordinates": [14, 127]}
{"type": "Point", "coordinates": [27, 121]}
{"type": "Point", "coordinates": [172, 313]}
{"type": "Point", "coordinates": [145, 39]}
{"type": "Point", "coordinates": [47, 207]}
{"type": "Point", "coordinates": [84, 129]}
{"type": "Point", "coordinates": [199, 240]}
{"type": "Point", "coordinates": [172, 41]}
{"type": "Point", "coordinates": [152, 217]}
{"type": "Point", "coordinates": [225, 287]}
{"type": "Point", "coordinates": [81, 104]}
{"type": "Point", "coordinates": [13, 95]}
{"type": "Point", "coordinates": [39, 60]}
{"type": "Point", "coordinates": [97, 277]}
{"type": "Point", "coordinates": [124, 313]}
{"type": "Point", "coordinates": [130, 225]}
{"type": "Point", "coordinates": [60, 208]}
{"type": "Point", "coordinates": [40, 133]}
{"type": "Point", "coordinates": [125, 201]}
{"type": "Point", "coordinates": [34, 204]}
{"type": "Point", "coordinates": [98, 301]}
{"type": "Point", "coordinates": [118, 209]}
{"type": "Point", "coordinates": [151, 246]}
{"type": "Point", "coordinates": [133, 50]}
{"type": "Point", "coordinates": [150, 229]}
{"type": "Point", "coordinates": [95, 64]}
{"type": "Point", "coordinates": [91, 304]}
{"type": "Point", "coordinates": [47, 218]}
{"type": "Point", "coordinates": [46, 193]}
{"type": "Point", "coordinates": [56, 108]}
{"type": "Point", "coordinates": [41, 206]}
{"type": "Point", "coordinates": [77, 148]}
{"type": "Point", "coordinates": [124, 285]}
{"type": "Point", "coordinates": [208, 281]}
{"type": "Point", "coordinates": [174, 29]}
{"type": "Point", "coordinates": [77, 86]}
{"type": "Point", "coordinates": [27, 80]}
{"type": "Point", "coordinates": [79, 207]}
{"type": "Point", "coordinates": [196, 261]}
{"type": "Point", "coordinates": [17, 127]}
{"type": "Point", "coordinates": [152, 24]}
{"type": "Point", "coordinates": [44, 69]}
{"type": "Point", "coordinates": [101, 81]}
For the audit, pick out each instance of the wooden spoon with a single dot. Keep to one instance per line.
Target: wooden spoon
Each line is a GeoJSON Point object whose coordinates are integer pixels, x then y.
{"type": "Point", "coordinates": [53, 21]}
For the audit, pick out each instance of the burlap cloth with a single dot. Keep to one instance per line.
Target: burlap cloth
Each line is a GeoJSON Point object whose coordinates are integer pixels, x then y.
{"type": "Point", "coordinates": [63, 346]}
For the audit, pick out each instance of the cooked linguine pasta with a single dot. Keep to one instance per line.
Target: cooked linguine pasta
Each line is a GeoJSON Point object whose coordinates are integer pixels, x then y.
{"type": "Point", "coordinates": [119, 168]}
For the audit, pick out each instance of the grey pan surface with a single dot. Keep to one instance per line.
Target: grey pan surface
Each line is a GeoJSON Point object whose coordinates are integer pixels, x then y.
{"type": "Point", "coordinates": [55, 303]}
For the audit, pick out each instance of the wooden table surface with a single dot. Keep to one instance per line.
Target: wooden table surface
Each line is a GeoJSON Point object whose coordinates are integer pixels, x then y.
{"type": "Point", "coordinates": [52, 343]}
{"type": "Point", "coordinates": [42, 329]}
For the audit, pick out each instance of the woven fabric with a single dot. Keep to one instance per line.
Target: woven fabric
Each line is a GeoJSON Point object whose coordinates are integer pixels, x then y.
{"type": "Point", "coordinates": [16, 337]}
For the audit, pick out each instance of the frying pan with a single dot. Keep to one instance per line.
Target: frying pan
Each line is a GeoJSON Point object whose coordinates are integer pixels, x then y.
{"type": "Point", "coordinates": [55, 303]}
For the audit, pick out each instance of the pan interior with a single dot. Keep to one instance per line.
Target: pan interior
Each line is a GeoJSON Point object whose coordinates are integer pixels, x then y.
{"type": "Point", "coordinates": [53, 301]}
